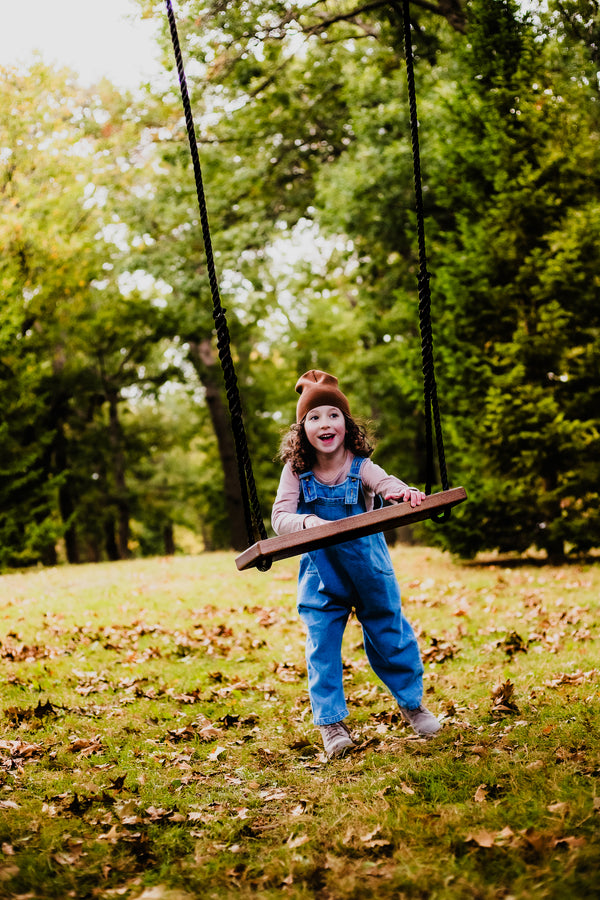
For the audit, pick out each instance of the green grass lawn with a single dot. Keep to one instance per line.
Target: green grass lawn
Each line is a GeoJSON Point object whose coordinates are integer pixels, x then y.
{"type": "Point", "coordinates": [157, 740]}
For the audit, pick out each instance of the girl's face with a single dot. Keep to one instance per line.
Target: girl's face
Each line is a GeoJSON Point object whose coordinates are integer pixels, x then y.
{"type": "Point", "coordinates": [325, 429]}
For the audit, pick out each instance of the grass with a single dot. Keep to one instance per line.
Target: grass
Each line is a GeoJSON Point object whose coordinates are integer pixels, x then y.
{"type": "Point", "coordinates": [157, 740]}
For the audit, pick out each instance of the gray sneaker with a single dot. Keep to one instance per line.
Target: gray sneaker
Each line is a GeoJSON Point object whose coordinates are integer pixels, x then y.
{"type": "Point", "coordinates": [421, 720]}
{"type": "Point", "coordinates": [336, 739]}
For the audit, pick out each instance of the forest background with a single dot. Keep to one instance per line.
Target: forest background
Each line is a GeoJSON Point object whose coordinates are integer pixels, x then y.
{"type": "Point", "coordinates": [114, 432]}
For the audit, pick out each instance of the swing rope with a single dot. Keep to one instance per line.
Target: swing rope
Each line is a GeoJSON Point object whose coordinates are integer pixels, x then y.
{"type": "Point", "coordinates": [262, 553]}
{"type": "Point", "coordinates": [432, 410]}
{"type": "Point", "coordinates": [252, 511]}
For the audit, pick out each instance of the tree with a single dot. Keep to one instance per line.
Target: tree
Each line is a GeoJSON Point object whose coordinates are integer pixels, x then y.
{"type": "Point", "coordinates": [517, 216]}
{"type": "Point", "coordinates": [73, 338]}
{"type": "Point", "coordinates": [292, 113]}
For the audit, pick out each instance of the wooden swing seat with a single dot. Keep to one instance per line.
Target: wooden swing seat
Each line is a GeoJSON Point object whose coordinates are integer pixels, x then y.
{"type": "Point", "coordinates": [395, 516]}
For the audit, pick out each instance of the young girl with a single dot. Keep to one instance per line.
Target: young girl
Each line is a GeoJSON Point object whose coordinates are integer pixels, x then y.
{"type": "Point", "coordinates": [327, 476]}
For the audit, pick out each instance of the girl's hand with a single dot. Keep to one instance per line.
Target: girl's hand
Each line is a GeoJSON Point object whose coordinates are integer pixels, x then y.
{"type": "Point", "coordinates": [409, 495]}
{"type": "Point", "coordinates": [312, 521]}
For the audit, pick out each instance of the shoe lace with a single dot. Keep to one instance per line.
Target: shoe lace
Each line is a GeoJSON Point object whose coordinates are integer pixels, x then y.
{"type": "Point", "coordinates": [337, 729]}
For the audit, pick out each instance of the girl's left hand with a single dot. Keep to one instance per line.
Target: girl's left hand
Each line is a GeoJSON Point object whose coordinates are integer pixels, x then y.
{"type": "Point", "coordinates": [410, 495]}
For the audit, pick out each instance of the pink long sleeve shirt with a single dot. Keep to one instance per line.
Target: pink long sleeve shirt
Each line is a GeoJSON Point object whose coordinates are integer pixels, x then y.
{"type": "Point", "coordinates": [285, 519]}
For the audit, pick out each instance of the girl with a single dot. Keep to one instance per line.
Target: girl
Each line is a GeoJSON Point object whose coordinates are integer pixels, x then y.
{"type": "Point", "coordinates": [327, 476]}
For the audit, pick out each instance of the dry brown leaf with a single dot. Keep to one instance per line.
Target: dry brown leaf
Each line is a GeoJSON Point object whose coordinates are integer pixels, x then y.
{"type": "Point", "coordinates": [84, 746]}
{"type": "Point", "coordinates": [557, 807]}
{"type": "Point", "coordinates": [513, 643]}
{"type": "Point", "coordinates": [373, 839]}
{"type": "Point", "coordinates": [111, 836]}
{"type": "Point", "coordinates": [578, 677]}
{"type": "Point", "coordinates": [482, 838]}
{"type": "Point", "coordinates": [66, 859]}
{"type": "Point", "coordinates": [157, 814]}
{"type": "Point", "coordinates": [216, 753]}
{"type": "Point", "coordinates": [195, 817]}
{"type": "Point", "coordinates": [572, 842]}
{"type": "Point", "coordinates": [439, 651]}
{"type": "Point", "coordinates": [503, 699]}
{"type": "Point", "coordinates": [277, 794]}
{"type": "Point", "coordinates": [481, 794]}
{"type": "Point", "coordinates": [505, 835]}
{"type": "Point", "coordinates": [209, 733]}
{"type": "Point", "coordinates": [8, 872]}
{"type": "Point", "coordinates": [242, 813]}
{"type": "Point", "coordinates": [162, 892]}
{"type": "Point", "coordinates": [297, 841]}
{"type": "Point", "coordinates": [300, 808]}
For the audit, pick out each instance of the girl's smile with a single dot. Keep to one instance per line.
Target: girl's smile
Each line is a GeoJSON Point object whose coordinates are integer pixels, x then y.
{"type": "Point", "coordinates": [325, 428]}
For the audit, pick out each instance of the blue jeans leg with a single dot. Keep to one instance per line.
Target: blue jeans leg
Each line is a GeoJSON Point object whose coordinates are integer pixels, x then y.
{"type": "Point", "coordinates": [325, 624]}
{"type": "Point", "coordinates": [391, 646]}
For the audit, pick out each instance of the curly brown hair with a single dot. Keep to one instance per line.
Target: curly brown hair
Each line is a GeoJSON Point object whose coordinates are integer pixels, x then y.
{"type": "Point", "coordinates": [296, 449]}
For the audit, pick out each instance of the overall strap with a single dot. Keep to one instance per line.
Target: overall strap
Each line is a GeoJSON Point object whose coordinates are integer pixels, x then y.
{"type": "Point", "coordinates": [353, 482]}
{"type": "Point", "coordinates": [309, 488]}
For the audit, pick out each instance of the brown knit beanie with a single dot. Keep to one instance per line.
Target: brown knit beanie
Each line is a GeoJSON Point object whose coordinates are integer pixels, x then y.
{"type": "Point", "coordinates": [319, 389]}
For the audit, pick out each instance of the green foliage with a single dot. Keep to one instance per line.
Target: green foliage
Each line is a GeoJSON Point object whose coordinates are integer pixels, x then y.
{"type": "Point", "coordinates": [303, 127]}
{"type": "Point", "coordinates": [76, 336]}
{"type": "Point", "coordinates": [518, 294]}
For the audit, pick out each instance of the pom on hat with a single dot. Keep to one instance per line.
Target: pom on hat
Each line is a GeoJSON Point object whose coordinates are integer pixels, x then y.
{"type": "Point", "coordinates": [319, 389]}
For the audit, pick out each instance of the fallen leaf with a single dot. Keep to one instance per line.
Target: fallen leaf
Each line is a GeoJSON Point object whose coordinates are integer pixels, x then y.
{"type": "Point", "coordinates": [557, 807]}
{"type": "Point", "coordinates": [578, 677]}
{"type": "Point", "coordinates": [8, 872]}
{"type": "Point", "coordinates": [482, 838]}
{"type": "Point", "coordinates": [506, 834]}
{"type": "Point", "coordinates": [503, 699]}
{"type": "Point", "coordinates": [162, 892]}
{"type": "Point", "coordinates": [216, 753]}
{"type": "Point", "coordinates": [277, 794]}
{"type": "Point", "coordinates": [156, 814]}
{"type": "Point", "coordinates": [481, 794]}
{"type": "Point", "coordinates": [513, 643]}
{"type": "Point", "coordinates": [439, 651]}
{"type": "Point", "coordinates": [111, 836]}
{"type": "Point", "coordinates": [572, 842]}
{"type": "Point", "coordinates": [84, 746]}
{"type": "Point", "coordinates": [300, 808]}
{"type": "Point", "coordinates": [297, 841]}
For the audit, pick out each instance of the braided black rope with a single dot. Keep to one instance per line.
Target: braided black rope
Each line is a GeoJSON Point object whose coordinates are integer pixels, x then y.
{"type": "Point", "coordinates": [432, 410]}
{"type": "Point", "coordinates": [252, 512]}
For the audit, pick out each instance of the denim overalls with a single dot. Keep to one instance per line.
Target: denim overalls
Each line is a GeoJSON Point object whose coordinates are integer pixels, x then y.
{"type": "Point", "coordinates": [357, 574]}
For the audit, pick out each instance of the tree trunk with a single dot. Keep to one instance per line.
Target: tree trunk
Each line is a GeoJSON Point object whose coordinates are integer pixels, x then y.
{"type": "Point", "coordinates": [112, 551]}
{"type": "Point", "coordinates": [118, 462]}
{"type": "Point", "coordinates": [206, 364]}
{"type": "Point", "coordinates": [169, 539]}
{"type": "Point", "coordinates": [65, 498]}
{"type": "Point", "coordinates": [553, 544]}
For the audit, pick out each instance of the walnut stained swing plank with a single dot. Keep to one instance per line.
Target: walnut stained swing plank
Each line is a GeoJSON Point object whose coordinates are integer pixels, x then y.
{"type": "Point", "coordinates": [395, 516]}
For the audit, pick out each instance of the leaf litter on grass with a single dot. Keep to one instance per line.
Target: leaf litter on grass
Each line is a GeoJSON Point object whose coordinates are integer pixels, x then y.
{"type": "Point", "coordinates": [169, 746]}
